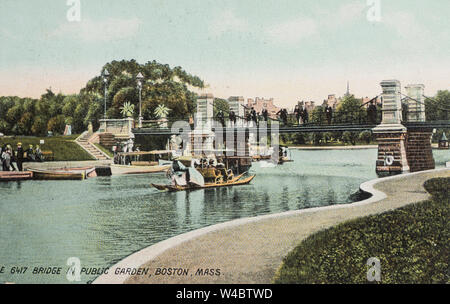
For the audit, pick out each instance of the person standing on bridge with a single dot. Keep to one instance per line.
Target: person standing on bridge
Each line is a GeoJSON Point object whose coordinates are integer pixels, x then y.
{"type": "Point", "coordinates": [372, 113]}
{"type": "Point", "coordinates": [248, 118]}
{"type": "Point", "coordinates": [329, 114]}
{"type": "Point", "coordinates": [283, 116]}
{"type": "Point", "coordinates": [265, 114]}
{"type": "Point", "coordinates": [304, 115]}
{"type": "Point", "coordinates": [232, 117]}
{"type": "Point", "coordinates": [221, 118]}
{"type": "Point", "coordinates": [254, 117]}
{"type": "Point", "coordinates": [297, 113]}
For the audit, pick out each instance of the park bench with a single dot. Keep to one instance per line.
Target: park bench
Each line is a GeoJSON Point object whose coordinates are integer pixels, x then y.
{"type": "Point", "coordinates": [48, 155]}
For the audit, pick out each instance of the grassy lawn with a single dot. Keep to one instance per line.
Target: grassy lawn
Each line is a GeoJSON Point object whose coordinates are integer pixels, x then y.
{"type": "Point", "coordinates": [105, 150]}
{"type": "Point", "coordinates": [64, 148]}
{"type": "Point", "coordinates": [412, 244]}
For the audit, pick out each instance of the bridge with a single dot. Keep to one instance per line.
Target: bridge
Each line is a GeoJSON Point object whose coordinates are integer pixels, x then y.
{"type": "Point", "coordinates": [439, 124]}
{"type": "Point", "coordinates": [402, 132]}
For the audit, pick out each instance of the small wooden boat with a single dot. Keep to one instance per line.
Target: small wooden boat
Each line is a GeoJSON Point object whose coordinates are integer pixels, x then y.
{"type": "Point", "coordinates": [8, 176]}
{"type": "Point", "coordinates": [58, 175]}
{"type": "Point", "coordinates": [123, 169]}
{"type": "Point", "coordinates": [261, 157]}
{"type": "Point", "coordinates": [237, 181]}
{"type": "Point", "coordinates": [90, 171]}
{"type": "Point", "coordinates": [284, 160]}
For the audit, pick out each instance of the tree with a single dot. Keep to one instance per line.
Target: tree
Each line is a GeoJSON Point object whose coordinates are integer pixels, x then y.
{"type": "Point", "coordinates": [351, 111]}
{"type": "Point", "coordinates": [161, 85]}
{"type": "Point", "coordinates": [438, 108]}
{"type": "Point", "coordinates": [57, 124]}
{"type": "Point", "coordinates": [25, 123]}
{"type": "Point", "coordinates": [5, 127]}
{"type": "Point", "coordinates": [221, 105]}
{"type": "Point", "coordinates": [317, 116]}
{"type": "Point", "coordinates": [350, 137]}
{"type": "Point", "coordinates": [365, 136]}
{"type": "Point", "coordinates": [39, 127]}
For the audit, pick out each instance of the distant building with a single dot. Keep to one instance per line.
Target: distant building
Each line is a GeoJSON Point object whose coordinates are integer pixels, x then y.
{"type": "Point", "coordinates": [365, 101]}
{"type": "Point", "coordinates": [309, 105]}
{"type": "Point", "coordinates": [331, 101]}
{"type": "Point", "coordinates": [260, 103]}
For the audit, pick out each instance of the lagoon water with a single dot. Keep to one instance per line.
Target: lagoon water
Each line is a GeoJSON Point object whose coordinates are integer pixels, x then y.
{"type": "Point", "coordinates": [102, 220]}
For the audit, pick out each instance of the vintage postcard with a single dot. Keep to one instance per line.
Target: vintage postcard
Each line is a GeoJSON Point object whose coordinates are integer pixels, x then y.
{"type": "Point", "coordinates": [224, 142]}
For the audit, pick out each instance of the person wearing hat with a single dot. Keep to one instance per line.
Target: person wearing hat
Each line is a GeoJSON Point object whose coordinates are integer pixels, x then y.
{"type": "Point", "coordinates": [38, 154]}
{"type": "Point", "coordinates": [30, 154]}
{"type": "Point", "coordinates": [19, 156]}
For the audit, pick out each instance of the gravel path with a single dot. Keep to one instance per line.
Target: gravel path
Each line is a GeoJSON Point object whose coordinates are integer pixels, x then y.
{"type": "Point", "coordinates": [252, 252]}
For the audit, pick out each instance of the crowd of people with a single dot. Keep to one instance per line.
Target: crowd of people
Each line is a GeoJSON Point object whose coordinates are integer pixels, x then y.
{"type": "Point", "coordinates": [12, 160]}
{"type": "Point", "coordinates": [301, 116]}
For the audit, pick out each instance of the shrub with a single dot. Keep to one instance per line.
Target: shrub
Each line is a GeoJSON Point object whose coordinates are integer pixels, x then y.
{"type": "Point", "coordinates": [411, 243]}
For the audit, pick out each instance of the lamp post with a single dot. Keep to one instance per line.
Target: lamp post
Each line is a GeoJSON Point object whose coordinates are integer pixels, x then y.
{"type": "Point", "coordinates": [139, 78]}
{"type": "Point", "coordinates": [105, 76]}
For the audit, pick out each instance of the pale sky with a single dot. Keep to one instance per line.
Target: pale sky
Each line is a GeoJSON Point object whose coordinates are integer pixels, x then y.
{"type": "Point", "coordinates": [289, 50]}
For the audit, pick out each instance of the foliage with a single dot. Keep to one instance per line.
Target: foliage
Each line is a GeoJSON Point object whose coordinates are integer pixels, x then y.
{"type": "Point", "coordinates": [221, 104]}
{"type": "Point", "coordinates": [365, 136]}
{"type": "Point", "coordinates": [162, 85]}
{"type": "Point", "coordinates": [349, 137]}
{"type": "Point", "coordinates": [350, 110]}
{"type": "Point", "coordinates": [438, 108]}
{"type": "Point", "coordinates": [411, 243]}
{"type": "Point", "coordinates": [317, 116]}
{"type": "Point", "coordinates": [56, 124]}
{"type": "Point", "coordinates": [161, 111]}
{"type": "Point", "coordinates": [127, 109]}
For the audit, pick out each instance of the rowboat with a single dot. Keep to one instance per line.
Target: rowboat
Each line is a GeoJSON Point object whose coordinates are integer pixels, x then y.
{"type": "Point", "coordinates": [89, 171]}
{"type": "Point", "coordinates": [123, 169]}
{"type": "Point", "coordinates": [8, 176]}
{"type": "Point", "coordinates": [237, 181]}
{"type": "Point", "coordinates": [58, 175]}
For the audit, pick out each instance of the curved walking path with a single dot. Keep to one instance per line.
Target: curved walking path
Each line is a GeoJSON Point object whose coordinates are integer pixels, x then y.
{"type": "Point", "coordinates": [251, 250]}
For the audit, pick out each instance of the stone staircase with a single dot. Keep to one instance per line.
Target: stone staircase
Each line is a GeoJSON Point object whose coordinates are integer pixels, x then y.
{"type": "Point", "coordinates": [83, 142]}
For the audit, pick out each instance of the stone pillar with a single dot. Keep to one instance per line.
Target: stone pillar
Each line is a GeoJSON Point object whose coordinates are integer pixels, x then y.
{"type": "Point", "coordinates": [205, 111]}
{"type": "Point", "coordinates": [418, 146]}
{"type": "Point", "coordinates": [418, 149]}
{"type": "Point", "coordinates": [392, 102]}
{"type": "Point", "coordinates": [416, 103]}
{"type": "Point", "coordinates": [391, 134]}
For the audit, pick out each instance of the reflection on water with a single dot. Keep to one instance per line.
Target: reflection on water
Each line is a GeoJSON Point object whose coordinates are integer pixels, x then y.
{"type": "Point", "coordinates": [103, 220]}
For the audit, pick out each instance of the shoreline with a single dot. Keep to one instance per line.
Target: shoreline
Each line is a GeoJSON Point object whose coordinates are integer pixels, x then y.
{"type": "Point", "coordinates": [360, 147]}
{"type": "Point", "coordinates": [252, 248]}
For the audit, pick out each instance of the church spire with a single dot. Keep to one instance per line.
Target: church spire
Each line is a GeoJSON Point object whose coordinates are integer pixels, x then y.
{"type": "Point", "coordinates": [348, 89]}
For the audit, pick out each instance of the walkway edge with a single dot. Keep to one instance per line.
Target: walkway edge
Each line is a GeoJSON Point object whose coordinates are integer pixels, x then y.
{"type": "Point", "coordinates": [147, 254]}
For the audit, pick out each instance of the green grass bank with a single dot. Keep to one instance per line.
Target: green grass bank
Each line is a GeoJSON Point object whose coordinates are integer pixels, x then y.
{"type": "Point", "coordinates": [411, 243]}
{"type": "Point", "coordinates": [64, 148]}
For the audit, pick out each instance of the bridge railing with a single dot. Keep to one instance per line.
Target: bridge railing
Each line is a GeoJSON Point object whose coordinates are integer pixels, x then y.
{"type": "Point", "coordinates": [338, 118]}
